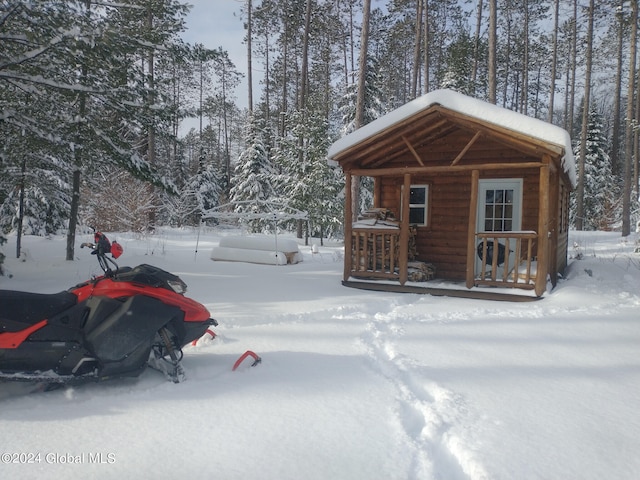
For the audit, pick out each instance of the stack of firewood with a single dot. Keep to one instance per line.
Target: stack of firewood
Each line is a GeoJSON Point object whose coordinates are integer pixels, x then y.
{"type": "Point", "coordinates": [421, 271]}
{"type": "Point", "coordinates": [377, 216]}
{"type": "Point", "coordinates": [377, 213]}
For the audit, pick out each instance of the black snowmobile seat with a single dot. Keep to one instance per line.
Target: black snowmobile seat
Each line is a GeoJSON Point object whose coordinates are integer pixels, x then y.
{"type": "Point", "coordinates": [32, 308]}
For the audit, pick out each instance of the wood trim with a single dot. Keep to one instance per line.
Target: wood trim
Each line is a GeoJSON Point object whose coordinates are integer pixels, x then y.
{"type": "Point", "coordinates": [510, 137]}
{"type": "Point", "coordinates": [399, 171]}
{"type": "Point", "coordinates": [466, 148]}
{"type": "Point", "coordinates": [348, 217]}
{"type": "Point", "coordinates": [412, 150]}
{"type": "Point", "coordinates": [403, 254]}
{"type": "Point", "coordinates": [543, 232]}
{"type": "Point", "coordinates": [441, 292]}
{"type": "Point", "coordinates": [471, 229]}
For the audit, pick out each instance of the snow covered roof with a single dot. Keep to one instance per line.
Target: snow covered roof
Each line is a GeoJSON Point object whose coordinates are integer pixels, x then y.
{"type": "Point", "coordinates": [472, 108]}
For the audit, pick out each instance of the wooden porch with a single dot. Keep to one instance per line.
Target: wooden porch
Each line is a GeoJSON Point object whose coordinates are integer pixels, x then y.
{"type": "Point", "coordinates": [375, 256]}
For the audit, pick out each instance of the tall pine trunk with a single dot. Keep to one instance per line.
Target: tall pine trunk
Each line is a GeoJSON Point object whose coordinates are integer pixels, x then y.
{"type": "Point", "coordinates": [249, 67]}
{"type": "Point", "coordinates": [493, 32]}
{"type": "Point", "coordinates": [585, 122]}
{"type": "Point", "coordinates": [362, 72]}
{"type": "Point", "coordinates": [628, 151]}
{"type": "Point", "coordinates": [78, 155]}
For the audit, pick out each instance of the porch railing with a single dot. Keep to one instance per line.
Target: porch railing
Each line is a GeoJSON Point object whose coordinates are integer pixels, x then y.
{"type": "Point", "coordinates": [374, 253]}
{"type": "Point", "coordinates": [506, 259]}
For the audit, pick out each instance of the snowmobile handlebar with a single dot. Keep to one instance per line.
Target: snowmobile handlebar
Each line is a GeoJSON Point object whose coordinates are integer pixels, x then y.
{"type": "Point", "coordinates": [99, 250]}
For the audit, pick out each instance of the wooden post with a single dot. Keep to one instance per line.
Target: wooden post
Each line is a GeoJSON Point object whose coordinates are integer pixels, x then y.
{"type": "Point", "coordinates": [347, 228]}
{"type": "Point", "coordinates": [471, 228]}
{"type": "Point", "coordinates": [403, 253]}
{"type": "Point", "coordinates": [543, 232]}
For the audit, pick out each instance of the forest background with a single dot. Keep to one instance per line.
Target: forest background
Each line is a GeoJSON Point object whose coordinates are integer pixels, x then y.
{"type": "Point", "coordinates": [94, 96]}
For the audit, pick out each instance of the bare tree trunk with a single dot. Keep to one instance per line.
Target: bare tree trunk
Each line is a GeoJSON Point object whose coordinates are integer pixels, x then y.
{"type": "Point", "coordinates": [524, 96]}
{"type": "Point", "coordinates": [305, 58]}
{"type": "Point", "coordinates": [73, 214]}
{"type": "Point", "coordinates": [476, 44]}
{"type": "Point", "coordinates": [151, 134]}
{"type": "Point", "coordinates": [23, 180]}
{"type": "Point", "coordinates": [285, 78]}
{"type": "Point", "coordinates": [574, 63]}
{"type": "Point", "coordinates": [302, 98]}
{"type": "Point", "coordinates": [267, 78]}
{"type": "Point", "coordinates": [416, 50]}
{"type": "Point", "coordinates": [493, 31]}
{"type": "Point", "coordinates": [249, 66]}
{"type": "Point", "coordinates": [359, 120]}
{"type": "Point", "coordinates": [425, 46]}
{"type": "Point", "coordinates": [626, 194]}
{"type": "Point", "coordinates": [77, 154]}
{"type": "Point", "coordinates": [615, 134]}
{"type": "Point", "coordinates": [554, 60]}
{"type": "Point", "coordinates": [585, 122]}
{"type": "Point", "coordinates": [636, 146]}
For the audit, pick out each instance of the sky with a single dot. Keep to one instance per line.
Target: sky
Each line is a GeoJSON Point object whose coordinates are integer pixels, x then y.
{"type": "Point", "coordinates": [217, 23]}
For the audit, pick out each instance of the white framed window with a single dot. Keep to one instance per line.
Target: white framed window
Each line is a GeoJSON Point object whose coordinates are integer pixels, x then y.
{"type": "Point", "coordinates": [419, 205]}
{"type": "Point", "coordinates": [499, 205]}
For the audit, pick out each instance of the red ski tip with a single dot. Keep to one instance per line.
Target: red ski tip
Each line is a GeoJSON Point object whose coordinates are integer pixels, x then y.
{"type": "Point", "coordinates": [208, 332]}
{"type": "Point", "coordinates": [246, 354]}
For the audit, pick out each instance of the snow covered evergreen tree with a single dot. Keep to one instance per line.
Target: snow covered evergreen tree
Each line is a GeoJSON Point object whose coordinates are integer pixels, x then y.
{"type": "Point", "coordinates": [71, 77]}
{"type": "Point", "coordinates": [374, 108]}
{"type": "Point", "coordinates": [253, 177]}
{"type": "Point", "coordinates": [306, 180]}
{"type": "Point", "coordinates": [458, 68]}
{"type": "Point", "coordinates": [601, 205]}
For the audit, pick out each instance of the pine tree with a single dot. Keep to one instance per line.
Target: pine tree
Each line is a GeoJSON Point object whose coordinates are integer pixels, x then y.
{"type": "Point", "coordinates": [70, 78]}
{"type": "Point", "coordinates": [253, 177]}
{"type": "Point", "coordinates": [601, 209]}
{"type": "Point", "coordinates": [374, 107]}
{"type": "Point", "coordinates": [307, 181]}
{"type": "Point", "coordinates": [459, 66]}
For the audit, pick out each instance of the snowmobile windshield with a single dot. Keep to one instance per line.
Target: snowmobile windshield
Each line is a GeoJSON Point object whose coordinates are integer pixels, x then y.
{"type": "Point", "coordinates": [153, 276]}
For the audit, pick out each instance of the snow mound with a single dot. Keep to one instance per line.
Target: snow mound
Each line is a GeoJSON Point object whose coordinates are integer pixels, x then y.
{"type": "Point", "coordinates": [248, 255]}
{"type": "Point", "coordinates": [265, 250]}
{"type": "Point", "coordinates": [260, 243]}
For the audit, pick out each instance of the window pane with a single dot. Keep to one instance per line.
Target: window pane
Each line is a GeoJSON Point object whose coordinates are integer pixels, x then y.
{"type": "Point", "coordinates": [416, 215]}
{"type": "Point", "coordinates": [418, 196]}
{"type": "Point", "coordinates": [509, 196]}
{"type": "Point", "coordinates": [489, 197]}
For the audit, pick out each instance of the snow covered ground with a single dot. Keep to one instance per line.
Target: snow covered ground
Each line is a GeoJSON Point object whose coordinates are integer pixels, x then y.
{"type": "Point", "coordinates": [353, 384]}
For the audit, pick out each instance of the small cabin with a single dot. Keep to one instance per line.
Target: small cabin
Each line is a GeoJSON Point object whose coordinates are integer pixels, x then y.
{"type": "Point", "coordinates": [464, 191]}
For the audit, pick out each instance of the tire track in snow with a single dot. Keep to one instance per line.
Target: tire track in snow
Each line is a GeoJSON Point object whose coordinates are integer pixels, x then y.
{"type": "Point", "coordinates": [426, 411]}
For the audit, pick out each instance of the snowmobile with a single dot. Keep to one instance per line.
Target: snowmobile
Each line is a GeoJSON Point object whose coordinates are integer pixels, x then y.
{"type": "Point", "coordinates": [111, 326]}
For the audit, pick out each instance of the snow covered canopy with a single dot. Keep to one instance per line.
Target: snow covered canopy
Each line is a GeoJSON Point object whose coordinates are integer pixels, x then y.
{"type": "Point", "coordinates": [438, 114]}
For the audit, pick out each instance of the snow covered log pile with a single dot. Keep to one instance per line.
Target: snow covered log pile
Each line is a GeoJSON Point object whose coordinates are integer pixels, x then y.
{"type": "Point", "coordinates": [257, 249]}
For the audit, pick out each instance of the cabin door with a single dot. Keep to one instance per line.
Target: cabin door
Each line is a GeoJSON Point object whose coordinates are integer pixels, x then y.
{"type": "Point", "coordinates": [499, 210]}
